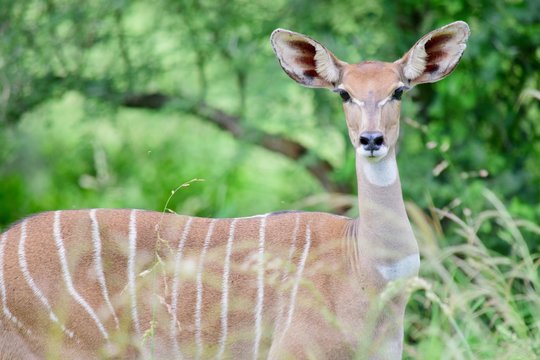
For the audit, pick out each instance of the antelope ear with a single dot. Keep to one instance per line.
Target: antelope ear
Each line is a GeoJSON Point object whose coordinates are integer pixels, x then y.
{"type": "Point", "coordinates": [305, 60]}
{"type": "Point", "coordinates": [436, 54]}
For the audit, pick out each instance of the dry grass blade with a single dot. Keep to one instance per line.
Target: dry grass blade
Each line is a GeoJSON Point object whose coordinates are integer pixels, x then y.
{"type": "Point", "coordinates": [477, 303]}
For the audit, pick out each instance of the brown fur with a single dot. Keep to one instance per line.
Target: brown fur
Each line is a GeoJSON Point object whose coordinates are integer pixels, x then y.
{"type": "Point", "coordinates": [304, 47]}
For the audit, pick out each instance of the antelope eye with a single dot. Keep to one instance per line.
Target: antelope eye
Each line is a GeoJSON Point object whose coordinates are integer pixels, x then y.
{"type": "Point", "coordinates": [398, 92]}
{"type": "Point", "coordinates": [344, 95]}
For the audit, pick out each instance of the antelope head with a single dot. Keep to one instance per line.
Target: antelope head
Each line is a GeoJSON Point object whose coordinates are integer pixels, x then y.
{"type": "Point", "coordinates": [371, 90]}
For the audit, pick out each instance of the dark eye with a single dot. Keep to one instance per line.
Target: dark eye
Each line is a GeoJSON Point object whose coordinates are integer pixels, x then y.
{"type": "Point", "coordinates": [397, 93]}
{"type": "Point", "coordinates": [344, 95]}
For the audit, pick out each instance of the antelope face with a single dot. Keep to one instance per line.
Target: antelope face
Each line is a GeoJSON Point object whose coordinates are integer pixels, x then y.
{"type": "Point", "coordinates": [371, 91]}
{"type": "Point", "coordinates": [371, 94]}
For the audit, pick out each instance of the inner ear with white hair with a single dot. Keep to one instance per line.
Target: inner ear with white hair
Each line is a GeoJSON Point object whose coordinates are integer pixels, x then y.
{"type": "Point", "coordinates": [436, 54]}
{"type": "Point", "coordinates": [305, 60]}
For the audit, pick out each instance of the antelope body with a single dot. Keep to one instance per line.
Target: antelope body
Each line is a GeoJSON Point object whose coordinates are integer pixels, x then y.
{"type": "Point", "coordinates": [105, 283]}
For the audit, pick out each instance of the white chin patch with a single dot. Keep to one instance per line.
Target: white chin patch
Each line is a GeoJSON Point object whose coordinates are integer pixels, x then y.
{"type": "Point", "coordinates": [379, 171]}
{"type": "Point", "coordinates": [375, 155]}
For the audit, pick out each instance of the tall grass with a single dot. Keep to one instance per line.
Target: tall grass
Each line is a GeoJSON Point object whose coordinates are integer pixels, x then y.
{"type": "Point", "coordinates": [471, 302]}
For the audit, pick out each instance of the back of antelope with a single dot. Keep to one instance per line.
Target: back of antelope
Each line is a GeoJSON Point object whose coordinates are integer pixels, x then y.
{"type": "Point", "coordinates": [103, 283]}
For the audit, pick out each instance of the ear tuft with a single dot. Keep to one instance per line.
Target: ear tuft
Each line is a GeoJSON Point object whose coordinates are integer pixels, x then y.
{"type": "Point", "coordinates": [305, 60]}
{"type": "Point", "coordinates": [416, 63]}
{"type": "Point", "coordinates": [325, 65]}
{"type": "Point", "coordinates": [436, 54]}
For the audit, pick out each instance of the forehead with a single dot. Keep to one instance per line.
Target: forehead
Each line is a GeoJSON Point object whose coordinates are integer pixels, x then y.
{"type": "Point", "coordinates": [371, 78]}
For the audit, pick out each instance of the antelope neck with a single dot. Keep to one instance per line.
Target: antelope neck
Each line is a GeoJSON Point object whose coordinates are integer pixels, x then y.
{"type": "Point", "coordinates": [379, 186]}
{"type": "Point", "coordinates": [383, 231]}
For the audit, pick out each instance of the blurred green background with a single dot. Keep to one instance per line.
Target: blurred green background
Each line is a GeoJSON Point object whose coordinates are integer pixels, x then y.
{"type": "Point", "coordinates": [117, 103]}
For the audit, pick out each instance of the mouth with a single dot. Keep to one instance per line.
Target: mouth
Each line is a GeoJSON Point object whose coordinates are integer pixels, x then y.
{"type": "Point", "coordinates": [372, 154]}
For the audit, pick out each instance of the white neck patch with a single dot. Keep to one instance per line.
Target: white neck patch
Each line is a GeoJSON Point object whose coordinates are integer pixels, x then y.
{"type": "Point", "coordinates": [403, 268]}
{"type": "Point", "coordinates": [381, 173]}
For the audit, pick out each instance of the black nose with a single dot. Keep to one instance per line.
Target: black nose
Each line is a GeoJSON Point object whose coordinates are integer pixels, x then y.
{"type": "Point", "coordinates": [371, 140]}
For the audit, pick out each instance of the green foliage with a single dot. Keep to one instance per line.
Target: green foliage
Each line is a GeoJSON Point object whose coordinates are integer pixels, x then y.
{"type": "Point", "coordinates": [86, 160]}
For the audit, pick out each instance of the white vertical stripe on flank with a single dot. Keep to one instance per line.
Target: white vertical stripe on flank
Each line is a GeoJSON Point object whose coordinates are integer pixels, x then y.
{"type": "Point", "coordinates": [298, 278]}
{"type": "Point", "coordinates": [260, 288]}
{"type": "Point", "coordinates": [30, 281]}
{"type": "Point", "coordinates": [198, 304]}
{"type": "Point", "coordinates": [225, 291]}
{"type": "Point", "coordinates": [176, 281]}
{"type": "Point", "coordinates": [8, 314]}
{"type": "Point", "coordinates": [57, 232]}
{"type": "Point", "coordinates": [96, 239]}
{"type": "Point", "coordinates": [131, 269]}
{"type": "Point", "coordinates": [292, 249]}
{"type": "Point", "coordinates": [287, 266]}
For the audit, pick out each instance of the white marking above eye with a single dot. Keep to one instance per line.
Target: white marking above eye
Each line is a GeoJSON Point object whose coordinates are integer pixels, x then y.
{"type": "Point", "coordinates": [381, 103]}
{"type": "Point", "coordinates": [361, 103]}
{"type": "Point", "coordinates": [358, 102]}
